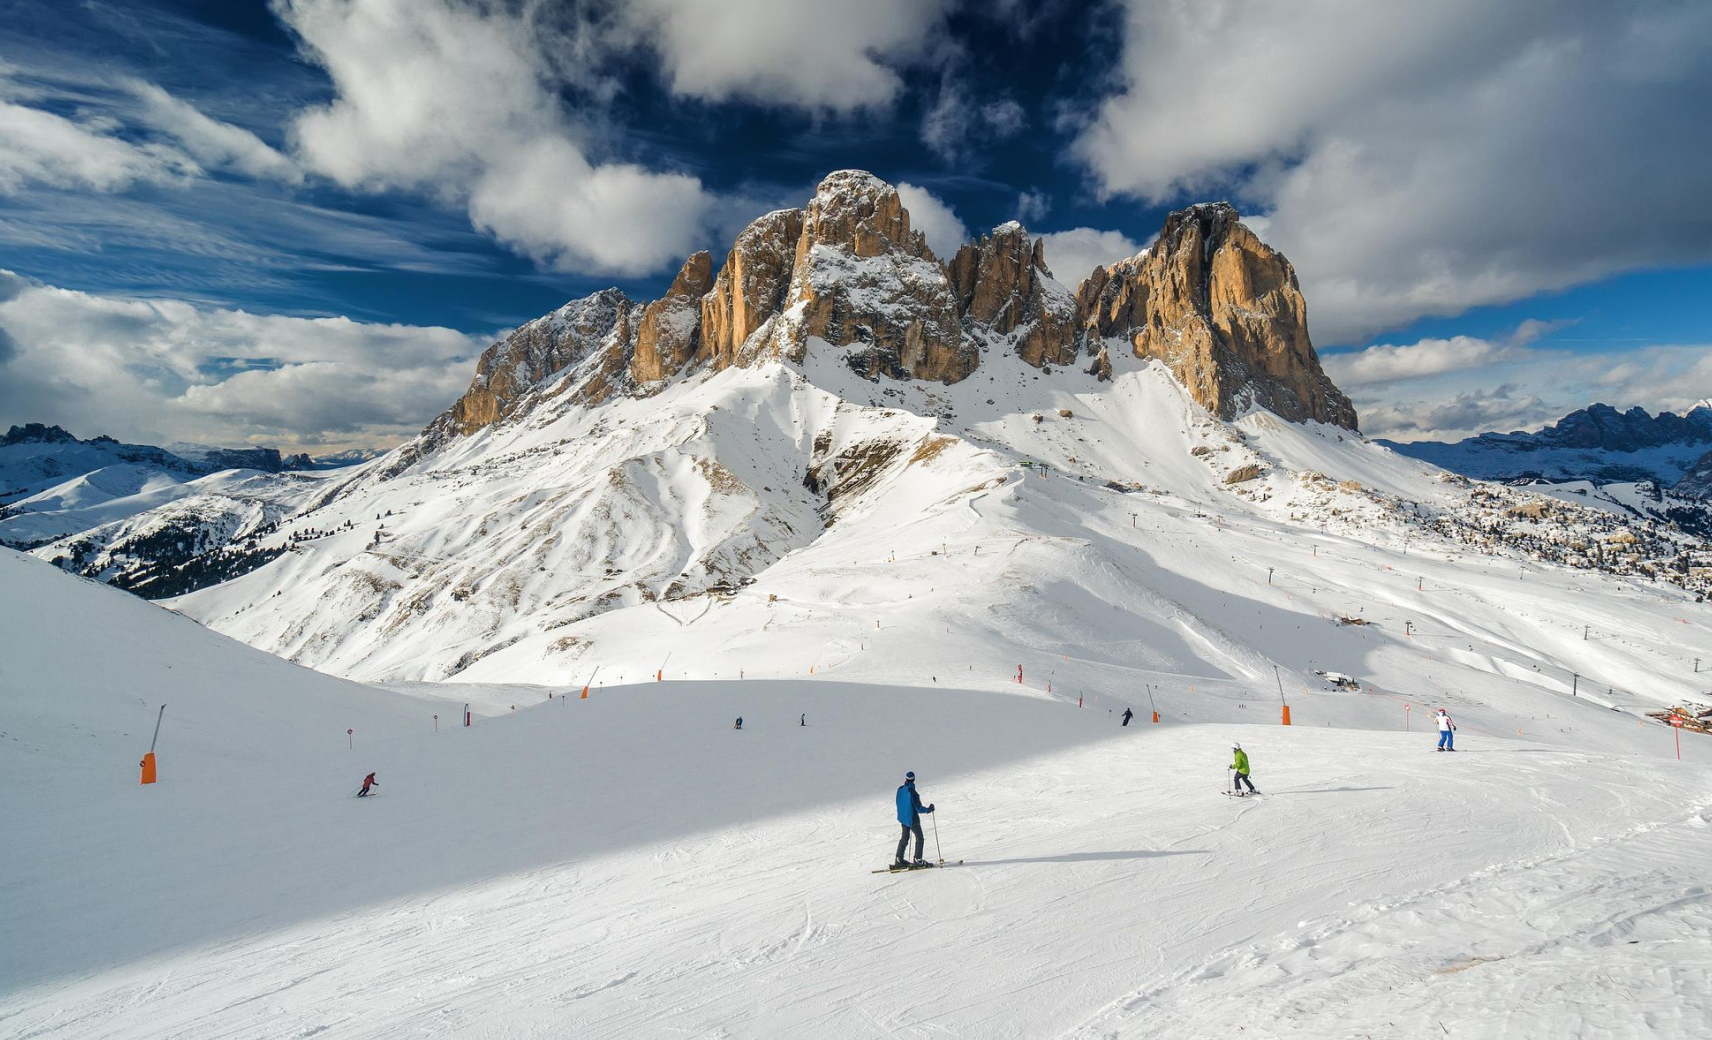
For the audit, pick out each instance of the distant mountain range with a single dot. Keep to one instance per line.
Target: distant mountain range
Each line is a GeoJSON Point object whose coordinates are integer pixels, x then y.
{"type": "Point", "coordinates": [1598, 444]}
{"type": "Point", "coordinates": [54, 484]}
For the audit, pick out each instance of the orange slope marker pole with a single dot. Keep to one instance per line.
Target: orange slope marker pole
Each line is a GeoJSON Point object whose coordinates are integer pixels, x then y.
{"type": "Point", "coordinates": [148, 762]}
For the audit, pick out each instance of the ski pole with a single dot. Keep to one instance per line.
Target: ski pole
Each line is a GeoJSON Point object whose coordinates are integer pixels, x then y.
{"type": "Point", "coordinates": [936, 849]}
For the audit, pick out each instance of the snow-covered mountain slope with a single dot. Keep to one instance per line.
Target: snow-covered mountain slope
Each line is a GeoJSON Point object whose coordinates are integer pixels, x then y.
{"type": "Point", "coordinates": [87, 667]}
{"type": "Point", "coordinates": [54, 486]}
{"type": "Point", "coordinates": [1598, 444]}
{"type": "Point", "coordinates": [178, 536]}
{"type": "Point", "coordinates": [631, 865]}
{"type": "Point", "coordinates": [1642, 500]}
{"type": "Point", "coordinates": [765, 521]}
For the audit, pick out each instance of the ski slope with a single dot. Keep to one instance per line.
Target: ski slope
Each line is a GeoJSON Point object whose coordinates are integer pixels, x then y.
{"type": "Point", "coordinates": [1100, 549]}
{"type": "Point", "coordinates": [631, 865]}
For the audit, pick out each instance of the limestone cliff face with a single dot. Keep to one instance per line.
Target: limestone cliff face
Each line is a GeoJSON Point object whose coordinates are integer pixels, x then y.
{"type": "Point", "coordinates": [1007, 296]}
{"type": "Point", "coordinates": [601, 324]}
{"type": "Point", "coordinates": [669, 330]}
{"type": "Point", "coordinates": [849, 274]}
{"type": "Point", "coordinates": [751, 287]}
{"type": "Point", "coordinates": [1222, 310]}
{"type": "Point", "coordinates": [864, 280]}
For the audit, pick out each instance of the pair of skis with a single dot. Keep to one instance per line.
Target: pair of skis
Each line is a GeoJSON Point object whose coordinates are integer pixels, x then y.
{"type": "Point", "coordinates": [912, 867]}
{"type": "Point", "coordinates": [921, 866]}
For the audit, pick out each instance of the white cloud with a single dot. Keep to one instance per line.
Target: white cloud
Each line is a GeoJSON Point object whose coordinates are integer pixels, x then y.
{"type": "Point", "coordinates": [135, 133]}
{"type": "Point", "coordinates": [811, 54]}
{"type": "Point", "coordinates": [955, 123]}
{"type": "Point", "coordinates": [1383, 363]}
{"type": "Point", "coordinates": [214, 144]}
{"type": "Point", "coordinates": [166, 370]}
{"type": "Point", "coordinates": [1032, 206]}
{"type": "Point", "coordinates": [41, 148]}
{"type": "Point", "coordinates": [459, 100]}
{"type": "Point", "coordinates": [1423, 159]}
{"type": "Point", "coordinates": [933, 218]}
{"type": "Point", "coordinates": [1072, 255]}
{"type": "Point", "coordinates": [1004, 117]}
{"type": "Point", "coordinates": [1447, 389]}
{"type": "Point", "coordinates": [1503, 408]}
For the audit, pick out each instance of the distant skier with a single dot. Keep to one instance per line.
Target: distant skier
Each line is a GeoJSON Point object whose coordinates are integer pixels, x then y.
{"type": "Point", "coordinates": [368, 782]}
{"type": "Point", "coordinates": [804, 720]}
{"type": "Point", "coordinates": [1127, 715]}
{"type": "Point", "coordinates": [738, 724]}
{"type": "Point", "coordinates": [909, 816]}
{"type": "Point", "coordinates": [1447, 732]}
{"type": "Point", "coordinates": [1241, 767]}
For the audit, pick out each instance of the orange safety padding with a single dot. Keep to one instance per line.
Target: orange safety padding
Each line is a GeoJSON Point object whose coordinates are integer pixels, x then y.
{"type": "Point", "coordinates": [1286, 714]}
{"type": "Point", "coordinates": [149, 768]}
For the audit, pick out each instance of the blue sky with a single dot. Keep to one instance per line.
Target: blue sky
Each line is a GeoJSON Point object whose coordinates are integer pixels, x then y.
{"type": "Point", "coordinates": [1497, 212]}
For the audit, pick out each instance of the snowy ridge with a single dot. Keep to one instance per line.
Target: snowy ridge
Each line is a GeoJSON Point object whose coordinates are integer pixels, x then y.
{"type": "Point", "coordinates": [54, 486]}
{"type": "Point", "coordinates": [1597, 444]}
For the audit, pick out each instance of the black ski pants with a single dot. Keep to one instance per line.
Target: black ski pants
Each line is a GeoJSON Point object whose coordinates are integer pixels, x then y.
{"type": "Point", "coordinates": [1242, 778]}
{"type": "Point", "coordinates": [920, 840]}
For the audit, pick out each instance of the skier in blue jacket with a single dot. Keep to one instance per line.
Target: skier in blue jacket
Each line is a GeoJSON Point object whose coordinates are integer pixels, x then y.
{"type": "Point", "coordinates": [909, 815]}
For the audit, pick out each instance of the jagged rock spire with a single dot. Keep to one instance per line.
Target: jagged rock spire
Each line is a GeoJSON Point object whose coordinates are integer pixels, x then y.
{"type": "Point", "coordinates": [1223, 311]}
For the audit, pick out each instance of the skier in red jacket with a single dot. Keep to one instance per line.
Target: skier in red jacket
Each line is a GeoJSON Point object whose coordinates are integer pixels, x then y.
{"type": "Point", "coordinates": [368, 782]}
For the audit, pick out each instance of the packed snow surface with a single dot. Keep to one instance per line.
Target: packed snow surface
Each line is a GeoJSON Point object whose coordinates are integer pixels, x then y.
{"type": "Point", "coordinates": [631, 865]}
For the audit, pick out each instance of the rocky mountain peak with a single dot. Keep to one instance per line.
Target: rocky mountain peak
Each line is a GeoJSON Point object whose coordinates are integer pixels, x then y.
{"type": "Point", "coordinates": [1602, 426]}
{"type": "Point", "coordinates": [36, 433]}
{"type": "Point", "coordinates": [857, 212]}
{"type": "Point", "coordinates": [865, 281]}
{"type": "Point", "coordinates": [668, 333]}
{"type": "Point", "coordinates": [1222, 310]}
{"type": "Point", "coordinates": [1006, 294]}
{"type": "Point", "coordinates": [751, 287]}
{"type": "Point", "coordinates": [539, 349]}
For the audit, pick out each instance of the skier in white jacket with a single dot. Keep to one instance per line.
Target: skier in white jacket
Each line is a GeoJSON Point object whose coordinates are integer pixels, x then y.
{"type": "Point", "coordinates": [1447, 731]}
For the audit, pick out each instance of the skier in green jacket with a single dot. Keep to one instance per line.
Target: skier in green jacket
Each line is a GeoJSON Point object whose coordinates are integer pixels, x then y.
{"type": "Point", "coordinates": [1241, 767]}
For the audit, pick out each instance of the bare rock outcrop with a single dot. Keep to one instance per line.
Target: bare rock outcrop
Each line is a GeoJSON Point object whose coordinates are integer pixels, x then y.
{"type": "Point", "coordinates": [539, 350]}
{"type": "Point", "coordinates": [1224, 313]}
{"type": "Point", "coordinates": [866, 281]}
{"type": "Point", "coordinates": [1007, 296]}
{"type": "Point", "coordinates": [668, 334]}
{"type": "Point", "coordinates": [751, 287]}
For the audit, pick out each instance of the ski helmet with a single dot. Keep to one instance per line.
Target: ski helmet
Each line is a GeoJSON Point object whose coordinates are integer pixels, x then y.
{"type": "Point", "coordinates": [1235, 746]}
{"type": "Point", "coordinates": [909, 776]}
